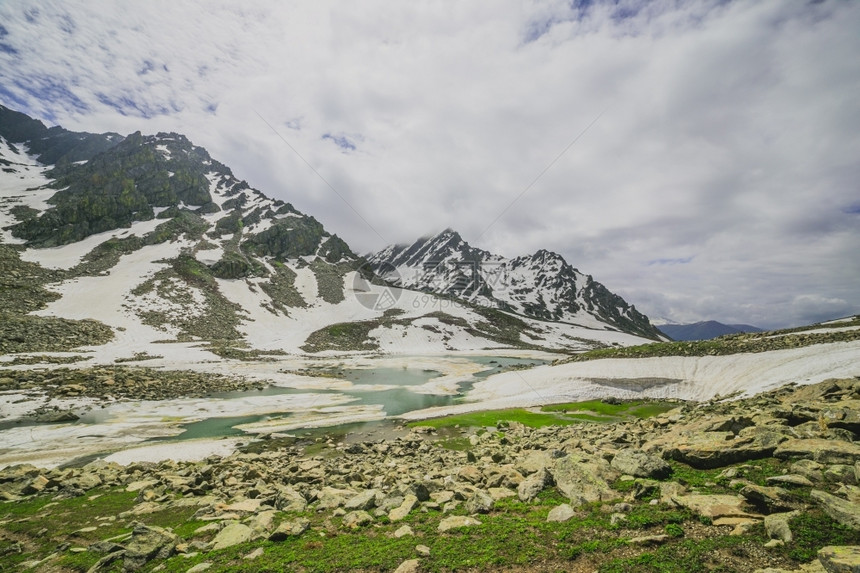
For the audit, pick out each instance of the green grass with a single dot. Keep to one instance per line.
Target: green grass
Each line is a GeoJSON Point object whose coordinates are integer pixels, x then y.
{"type": "Point", "coordinates": [685, 556]}
{"type": "Point", "coordinates": [703, 481]}
{"type": "Point", "coordinates": [652, 409]}
{"type": "Point", "coordinates": [46, 525]}
{"type": "Point", "coordinates": [514, 534]}
{"type": "Point", "coordinates": [494, 417]}
{"type": "Point", "coordinates": [596, 406]}
{"type": "Point", "coordinates": [455, 443]}
{"type": "Point", "coordinates": [553, 414]}
{"type": "Point", "coordinates": [812, 531]}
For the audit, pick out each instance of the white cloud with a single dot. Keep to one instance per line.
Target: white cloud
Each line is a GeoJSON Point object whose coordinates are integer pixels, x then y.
{"type": "Point", "coordinates": [729, 138]}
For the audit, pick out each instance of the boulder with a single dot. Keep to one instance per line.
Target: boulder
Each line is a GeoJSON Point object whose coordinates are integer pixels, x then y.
{"type": "Point", "coordinates": [148, 543]}
{"type": "Point", "coordinates": [844, 559]}
{"type": "Point", "coordinates": [531, 486]}
{"type": "Point", "coordinates": [232, 534]}
{"type": "Point", "coordinates": [364, 501]}
{"type": "Point", "coordinates": [584, 479]}
{"type": "Point", "coordinates": [791, 479]}
{"type": "Point", "coordinates": [714, 506]}
{"type": "Point", "coordinates": [356, 519]}
{"type": "Point", "coordinates": [770, 498]}
{"type": "Point", "coordinates": [332, 498]}
{"type": "Point", "coordinates": [262, 523]}
{"type": "Point", "coordinates": [479, 502]}
{"type": "Point", "coordinates": [819, 450]}
{"type": "Point", "coordinates": [808, 469]}
{"type": "Point", "coordinates": [470, 474]}
{"type": "Point", "coordinates": [703, 447]}
{"type": "Point", "coordinates": [291, 528]}
{"type": "Point", "coordinates": [560, 513]}
{"type": "Point", "coordinates": [36, 485]}
{"type": "Point", "coordinates": [837, 473]}
{"type": "Point", "coordinates": [844, 511]}
{"type": "Point", "coordinates": [288, 499]}
{"type": "Point", "coordinates": [455, 522]}
{"type": "Point", "coordinates": [401, 511]}
{"type": "Point", "coordinates": [776, 525]}
{"type": "Point", "coordinates": [639, 464]}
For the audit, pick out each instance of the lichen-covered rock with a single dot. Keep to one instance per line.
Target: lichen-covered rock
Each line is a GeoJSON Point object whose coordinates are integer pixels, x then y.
{"type": "Point", "coordinates": [148, 542]}
{"type": "Point", "coordinates": [840, 559]}
{"type": "Point", "coordinates": [290, 528]}
{"type": "Point", "coordinates": [530, 487]}
{"type": "Point", "coordinates": [455, 522]}
{"type": "Point", "coordinates": [819, 450]}
{"type": "Point", "coordinates": [356, 519]}
{"type": "Point", "coordinates": [640, 464]}
{"type": "Point", "coordinates": [479, 502]}
{"type": "Point", "coordinates": [232, 534]}
{"type": "Point", "coordinates": [584, 479]}
{"type": "Point", "coordinates": [777, 527]}
{"type": "Point", "coordinates": [844, 511]}
{"type": "Point", "coordinates": [560, 513]}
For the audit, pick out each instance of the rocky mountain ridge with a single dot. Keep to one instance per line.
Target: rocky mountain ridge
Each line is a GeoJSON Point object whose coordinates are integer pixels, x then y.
{"type": "Point", "coordinates": [174, 248]}
{"type": "Point", "coordinates": [541, 286]}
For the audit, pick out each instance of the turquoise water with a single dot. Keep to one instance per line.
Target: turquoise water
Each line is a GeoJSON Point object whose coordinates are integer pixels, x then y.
{"type": "Point", "coordinates": [394, 401]}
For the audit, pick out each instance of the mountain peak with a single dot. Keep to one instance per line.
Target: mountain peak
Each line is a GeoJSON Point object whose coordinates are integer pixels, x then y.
{"type": "Point", "coordinates": [448, 235]}
{"type": "Point", "coordinates": [541, 286]}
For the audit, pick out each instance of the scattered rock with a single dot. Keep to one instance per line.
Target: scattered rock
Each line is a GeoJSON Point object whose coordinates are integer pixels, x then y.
{"type": "Point", "coordinates": [820, 450]}
{"type": "Point", "coordinates": [479, 502]}
{"type": "Point", "coordinates": [400, 512]}
{"type": "Point", "coordinates": [639, 464]}
{"type": "Point", "coordinates": [408, 566]}
{"type": "Point", "coordinates": [294, 527]}
{"type": "Point", "coordinates": [531, 486]}
{"type": "Point", "coordinates": [456, 521]}
{"type": "Point", "coordinates": [403, 531]}
{"type": "Point", "coordinates": [776, 525]}
{"type": "Point", "coordinates": [148, 543]}
{"type": "Point", "coordinates": [841, 510]}
{"type": "Point", "coordinates": [232, 534]}
{"type": "Point", "coordinates": [356, 519]}
{"type": "Point", "coordinates": [649, 540]}
{"type": "Point", "coordinates": [840, 559]}
{"type": "Point", "coordinates": [560, 513]}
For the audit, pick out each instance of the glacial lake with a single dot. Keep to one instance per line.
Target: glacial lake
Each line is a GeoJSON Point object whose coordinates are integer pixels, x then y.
{"type": "Point", "coordinates": [389, 389]}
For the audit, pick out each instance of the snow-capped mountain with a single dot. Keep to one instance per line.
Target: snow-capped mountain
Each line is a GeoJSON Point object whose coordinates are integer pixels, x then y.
{"type": "Point", "coordinates": [148, 242]}
{"type": "Point", "coordinates": [541, 286]}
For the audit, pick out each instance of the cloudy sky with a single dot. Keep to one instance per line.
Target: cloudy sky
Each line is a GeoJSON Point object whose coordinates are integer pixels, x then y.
{"type": "Point", "coordinates": [701, 158]}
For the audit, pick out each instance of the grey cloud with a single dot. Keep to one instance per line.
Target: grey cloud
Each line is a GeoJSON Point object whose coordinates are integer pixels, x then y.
{"type": "Point", "coordinates": [729, 133]}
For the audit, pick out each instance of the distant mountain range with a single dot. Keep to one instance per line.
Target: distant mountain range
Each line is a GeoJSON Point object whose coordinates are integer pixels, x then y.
{"type": "Point", "coordinates": [704, 330]}
{"type": "Point", "coordinates": [154, 240]}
